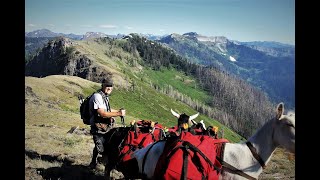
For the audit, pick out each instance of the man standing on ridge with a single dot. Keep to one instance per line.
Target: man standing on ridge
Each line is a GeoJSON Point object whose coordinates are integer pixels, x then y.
{"type": "Point", "coordinates": [101, 117]}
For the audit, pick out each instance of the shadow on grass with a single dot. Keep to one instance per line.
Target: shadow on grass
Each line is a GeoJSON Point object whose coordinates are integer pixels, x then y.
{"type": "Point", "coordinates": [67, 171]}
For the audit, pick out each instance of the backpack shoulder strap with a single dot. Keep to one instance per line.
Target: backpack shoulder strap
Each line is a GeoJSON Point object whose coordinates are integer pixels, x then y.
{"type": "Point", "coordinates": [105, 100]}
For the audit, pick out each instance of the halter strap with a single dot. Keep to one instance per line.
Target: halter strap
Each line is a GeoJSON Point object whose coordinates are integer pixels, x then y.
{"type": "Point", "coordinates": [255, 154]}
{"type": "Point", "coordinates": [236, 171]}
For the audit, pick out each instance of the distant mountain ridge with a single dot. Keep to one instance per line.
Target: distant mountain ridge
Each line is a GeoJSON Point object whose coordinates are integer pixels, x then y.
{"type": "Point", "coordinates": [269, 66]}
{"type": "Point", "coordinates": [35, 40]}
{"type": "Point", "coordinates": [88, 35]}
{"type": "Point", "coordinates": [48, 33]}
{"type": "Point", "coordinates": [272, 48]}
{"type": "Point", "coordinates": [219, 42]}
{"type": "Point", "coordinates": [270, 44]}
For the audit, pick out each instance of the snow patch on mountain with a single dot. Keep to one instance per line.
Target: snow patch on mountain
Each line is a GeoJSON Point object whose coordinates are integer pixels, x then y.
{"type": "Point", "coordinates": [232, 59]}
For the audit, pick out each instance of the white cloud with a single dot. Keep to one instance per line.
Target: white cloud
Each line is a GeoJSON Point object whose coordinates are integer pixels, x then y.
{"type": "Point", "coordinates": [51, 25]}
{"type": "Point", "coordinates": [68, 25]}
{"type": "Point", "coordinates": [31, 25]}
{"type": "Point", "coordinates": [107, 26]}
{"type": "Point", "coordinates": [128, 27]}
{"type": "Point", "coordinates": [162, 30]}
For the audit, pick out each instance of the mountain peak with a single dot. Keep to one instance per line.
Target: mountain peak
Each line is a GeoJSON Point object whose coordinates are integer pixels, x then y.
{"type": "Point", "coordinates": [41, 33]}
{"type": "Point", "coordinates": [194, 34]}
{"type": "Point", "coordinates": [49, 34]}
{"type": "Point", "coordinates": [90, 35]}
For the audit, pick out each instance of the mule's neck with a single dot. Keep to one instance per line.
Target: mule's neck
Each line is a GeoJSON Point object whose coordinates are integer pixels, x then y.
{"type": "Point", "coordinates": [263, 142]}
{"type": "Point", "coordinates": [240, 157]}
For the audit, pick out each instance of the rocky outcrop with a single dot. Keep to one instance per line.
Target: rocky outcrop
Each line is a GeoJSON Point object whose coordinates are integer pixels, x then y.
{"type": "Point", "coordinates": [60, 57]}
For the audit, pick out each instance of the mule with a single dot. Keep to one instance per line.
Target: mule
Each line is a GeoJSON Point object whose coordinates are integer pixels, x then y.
{"type": "Point", "coordinates": [184, 121]}
{"type": "Point", "coordinates": [113, 143]}
{"type": "Point", "coordinates": [120, 142]}
{"type": "Point", "coordinates": [245, 160]}
{"type": "Point", "coordinates": [201, 129]}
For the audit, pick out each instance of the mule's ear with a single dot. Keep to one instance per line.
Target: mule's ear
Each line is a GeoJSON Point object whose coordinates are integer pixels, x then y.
{"type": "Point", "coordinates": [175, 114]}
{"type": "Point", "coordinates": [280, 110]}
{"type": "Point", "coordinates": [203, 125]}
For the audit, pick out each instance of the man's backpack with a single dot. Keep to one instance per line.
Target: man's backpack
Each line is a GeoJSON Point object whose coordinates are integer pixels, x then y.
{"type": "Point", "coordinates": [84, 109]}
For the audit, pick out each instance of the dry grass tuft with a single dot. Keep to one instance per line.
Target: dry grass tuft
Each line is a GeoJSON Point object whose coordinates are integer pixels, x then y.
{"type": "Point", "coordinates": [281, 166]}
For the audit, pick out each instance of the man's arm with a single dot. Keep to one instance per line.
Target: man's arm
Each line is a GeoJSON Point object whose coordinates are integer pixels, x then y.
{"type": "Point", "coordinates": [113, 113]}
{"type": "Point", "coordinates": [114, 110]}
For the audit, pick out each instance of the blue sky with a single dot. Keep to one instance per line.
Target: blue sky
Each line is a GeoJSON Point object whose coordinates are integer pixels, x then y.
{"type": "Point", "coordinates": [242, 20]}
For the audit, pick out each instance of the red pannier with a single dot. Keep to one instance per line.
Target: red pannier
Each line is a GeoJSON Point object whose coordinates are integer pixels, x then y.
{"type": "Point", "coordinates": [145, 126]}
{"type": "Point", "coordinates": [142, 135]}
{"type": "Point", "coordinates": [189, 156]}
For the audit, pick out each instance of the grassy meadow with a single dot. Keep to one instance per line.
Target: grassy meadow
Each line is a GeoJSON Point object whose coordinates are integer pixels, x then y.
{"type": "Point", "coordinates": [52, 109]}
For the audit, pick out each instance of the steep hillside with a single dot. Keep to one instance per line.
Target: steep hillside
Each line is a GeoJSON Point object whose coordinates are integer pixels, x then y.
{"type": "Point", "coordinates": [56, 96]}
{"type": "Point", "coordinates": [65, 56]}
{"type": "Point", "coordinates": [137, 63]}
{"type": "Point", "coordinates": [233, 101]}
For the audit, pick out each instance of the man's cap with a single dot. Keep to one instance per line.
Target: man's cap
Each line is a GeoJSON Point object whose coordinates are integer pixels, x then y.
{"type": "Point", "coordinates": [107, 82]}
